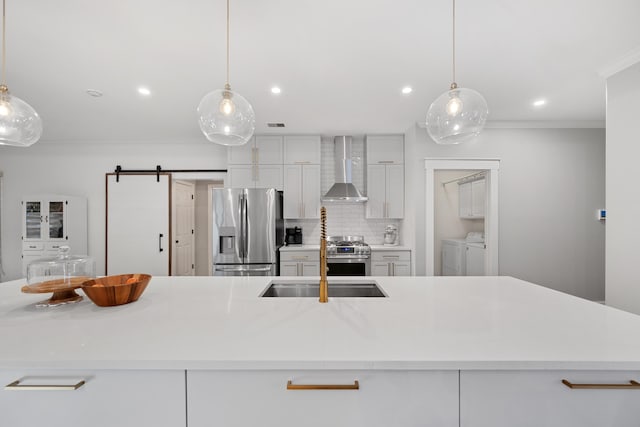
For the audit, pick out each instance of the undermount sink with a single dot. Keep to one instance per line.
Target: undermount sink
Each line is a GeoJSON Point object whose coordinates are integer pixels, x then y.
{"type": "Point", "coordinates": [337, 289]}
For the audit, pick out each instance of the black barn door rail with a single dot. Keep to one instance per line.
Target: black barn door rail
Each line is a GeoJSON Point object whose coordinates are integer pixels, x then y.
{"type": "Point", "coordinates": [159, 170]}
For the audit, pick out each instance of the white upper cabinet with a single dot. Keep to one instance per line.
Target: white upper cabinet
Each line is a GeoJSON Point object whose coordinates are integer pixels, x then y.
{"type": "Point", "coordinates": [385, 189]}
{"type": "Point", "coordinates": [385, 176]}
{"type": "Point", "coordinates": [471, 199]}
{"type": "Point", "coordinates": [385, 149]}
{"type": "Point", "coordinates": [477, 198]}
{"type": "Point", "coordinates": [302, 150]}
{"type": "Point", "coordinates": [257, 164]}
{"type": "Point", "coordinates": [301, 177]}
{"type": "Point", "coordinates": [268, 150]}
{"type": "Point", "coordinates": [261, 149]}
{"type": "Point", "coordinates": [301, 191]}
{"type": "Point", "coordinates": [394, 180]}
{"type": "Point", "coordinates": [241, 154]}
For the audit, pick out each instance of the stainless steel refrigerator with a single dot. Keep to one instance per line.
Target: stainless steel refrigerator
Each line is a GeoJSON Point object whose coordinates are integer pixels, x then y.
{"type": "Point", "coordinates": [248, 230]}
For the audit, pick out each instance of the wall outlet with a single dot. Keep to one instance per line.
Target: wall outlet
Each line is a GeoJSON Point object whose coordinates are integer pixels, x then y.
{"type": "Point", "coordinates": [601, 214]}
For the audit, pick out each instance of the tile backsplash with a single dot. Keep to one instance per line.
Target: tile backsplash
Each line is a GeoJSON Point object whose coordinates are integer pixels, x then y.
{"type": "Point", "coordinates": [344, 218]}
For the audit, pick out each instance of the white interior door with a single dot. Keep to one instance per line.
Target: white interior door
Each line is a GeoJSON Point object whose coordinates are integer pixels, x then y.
{"type": "Point", "coordinates": [184, 228]}
{"type": "Point", "coordinates": [138, 228]}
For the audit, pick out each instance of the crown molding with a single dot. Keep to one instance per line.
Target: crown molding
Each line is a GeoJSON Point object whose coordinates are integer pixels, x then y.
{"type": "Point", "coordinates": [540, 124]}
{"type": "Point", "coordinates": [630, 58]}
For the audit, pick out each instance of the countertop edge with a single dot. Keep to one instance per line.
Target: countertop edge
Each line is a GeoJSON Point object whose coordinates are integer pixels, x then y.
{"type": "Point", "coordinates": [497, 365]}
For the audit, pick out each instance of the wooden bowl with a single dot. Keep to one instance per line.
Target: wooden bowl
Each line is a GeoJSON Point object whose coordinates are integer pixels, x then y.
{"type": "Point", "coordinates": [116, 290]}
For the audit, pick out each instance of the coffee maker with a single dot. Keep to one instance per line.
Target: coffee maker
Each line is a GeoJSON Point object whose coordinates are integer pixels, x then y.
{"type": "Point", "coordinates": [293, 236]}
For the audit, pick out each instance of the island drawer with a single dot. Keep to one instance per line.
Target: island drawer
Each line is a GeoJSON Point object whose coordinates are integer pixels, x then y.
{"type": "Point", "coordinates": [73, 398]}
{"type": "Point", "coordinates": [322, 398]}
{"type": "Point", "coordinates": [540, 398]}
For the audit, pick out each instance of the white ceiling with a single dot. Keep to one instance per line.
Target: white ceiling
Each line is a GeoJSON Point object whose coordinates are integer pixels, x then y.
{"type": "Point", "coordinates": [340, 63]}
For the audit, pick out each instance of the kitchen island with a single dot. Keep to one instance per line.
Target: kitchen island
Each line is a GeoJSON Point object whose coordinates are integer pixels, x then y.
{"type": "Point", "coordinates": [446, 351]}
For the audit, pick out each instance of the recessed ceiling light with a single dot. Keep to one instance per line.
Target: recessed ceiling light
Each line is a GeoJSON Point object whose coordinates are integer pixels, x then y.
{"type": "Point", "coordinates": [144, 91]}
{"type": "Point", "coordinates": [407, 90]}
{"type": "Point", "coordinates": [275, 90]}
{"type": "Point", "coordinates": [94, 92]}
{"type": "Point", "coordinates": [539, 102]}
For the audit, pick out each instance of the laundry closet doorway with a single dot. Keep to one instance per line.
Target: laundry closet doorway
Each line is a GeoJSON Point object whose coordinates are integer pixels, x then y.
{"type": "Point", "coordinates": [482, 215]}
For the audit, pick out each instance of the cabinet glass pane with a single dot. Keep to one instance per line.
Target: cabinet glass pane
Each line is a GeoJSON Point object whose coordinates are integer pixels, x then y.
{"type": "Point", "coordinates": [33, 220]}
{"type": "Point", "coordinates": [56, 217]}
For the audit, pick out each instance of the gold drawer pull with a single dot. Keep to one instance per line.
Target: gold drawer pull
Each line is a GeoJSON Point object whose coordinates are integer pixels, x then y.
{"type": "Point", "coordinates": [354, 386]}
{"type": "Point", "coordinates": [17, 386]}
{"type": "Point", "coordinates": [632, 385]}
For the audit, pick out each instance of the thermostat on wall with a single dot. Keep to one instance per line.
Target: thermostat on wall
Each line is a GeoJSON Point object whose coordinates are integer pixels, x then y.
{"type": "Point", "coordinates": [601, 214]}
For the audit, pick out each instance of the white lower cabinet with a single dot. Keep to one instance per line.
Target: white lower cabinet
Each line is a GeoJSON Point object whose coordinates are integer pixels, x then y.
{"type": "Point", "coordinates": [390, 263]}
{"type": "Point", "coordinates": [475, 259]}
{"type": "Point", "coordinates": [106, 399]}
{"type": "Point", "coordinates": [540, 399]}
{"type": "Point", "coordinates": [384, 398]}
{"type": "Point", "coordinates": [300, 263]}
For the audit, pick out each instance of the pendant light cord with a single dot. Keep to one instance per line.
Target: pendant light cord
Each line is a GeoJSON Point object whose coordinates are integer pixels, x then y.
{"type": "Point", "coordinates": [4, 25]}
{"type": "Point", "coordinates": [454, 43]}
{"type": "Point", "coordinates": [227, 42]}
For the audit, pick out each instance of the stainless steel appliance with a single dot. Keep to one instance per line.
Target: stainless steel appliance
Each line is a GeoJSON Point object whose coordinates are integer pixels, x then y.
{"type": "Point", "coordinates": [247, 231]}
{"type": "Point", "coordinates": [293, 236]}
{"type": "Point", "coordinates": [391, 235]}
{"type": "Point", "coordinates": [343, 191]}
{"type": "Point", "coordinates": [348, 256]}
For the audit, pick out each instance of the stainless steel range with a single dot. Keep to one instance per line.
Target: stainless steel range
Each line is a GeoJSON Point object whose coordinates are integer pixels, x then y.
{"type": "Point", "coordinates": [348, 256]}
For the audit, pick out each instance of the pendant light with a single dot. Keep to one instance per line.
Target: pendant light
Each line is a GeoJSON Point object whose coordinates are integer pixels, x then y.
{"type": "Point", "coordinates": [226, 117]}
{"type": "Point", "coordinates": [459, 114]}
{"type": "Point", "coordinates": [20, 125]}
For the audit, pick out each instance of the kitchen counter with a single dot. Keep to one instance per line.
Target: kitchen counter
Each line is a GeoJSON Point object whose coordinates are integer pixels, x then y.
{"type": "Point", "coordinates": [221, 323]}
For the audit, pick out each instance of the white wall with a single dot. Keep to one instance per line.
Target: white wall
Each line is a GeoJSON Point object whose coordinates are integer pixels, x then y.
{"type": "Point", "coordinates": [78, 169]}
{"type": "Point", "coordinates": [551, 183]}
{"type": "Point", "coordinates": [623, 201]}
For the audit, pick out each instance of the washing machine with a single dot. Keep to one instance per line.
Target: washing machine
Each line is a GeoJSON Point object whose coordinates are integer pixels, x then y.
{"type": "Point", "coordinates": [454, 262]}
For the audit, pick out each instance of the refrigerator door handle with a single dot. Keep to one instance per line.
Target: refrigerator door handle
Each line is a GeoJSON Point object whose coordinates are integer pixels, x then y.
{"type": "Point", "coordinates": [228, 269]}
{"type": "Point", "coordinates": [241, 216]}
{"type": "Point", "coordinates": [245, 237]}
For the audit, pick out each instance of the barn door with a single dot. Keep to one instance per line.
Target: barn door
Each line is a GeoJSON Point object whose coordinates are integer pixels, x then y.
{"type": "Point", "coordinates": [138, 224]}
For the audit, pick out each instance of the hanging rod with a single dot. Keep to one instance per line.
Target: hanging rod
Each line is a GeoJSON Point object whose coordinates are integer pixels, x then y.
{"type": "Point", "coordinates": [158, 170]}
{"type": "Point", "coordinates": [473, 177]}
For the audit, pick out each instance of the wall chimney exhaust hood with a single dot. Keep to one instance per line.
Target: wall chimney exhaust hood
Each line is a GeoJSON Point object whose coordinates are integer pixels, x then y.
{"type": "Point", "coordinates": [343, 190]}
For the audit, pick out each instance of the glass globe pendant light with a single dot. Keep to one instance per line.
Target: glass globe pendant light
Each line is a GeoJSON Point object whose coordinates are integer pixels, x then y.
{"type": "Point", "coordinates": [225, 116]}
{"type": "Point", "coordinates": [459, 114]}
{"type": "Point", "coordinates": [20, 125]}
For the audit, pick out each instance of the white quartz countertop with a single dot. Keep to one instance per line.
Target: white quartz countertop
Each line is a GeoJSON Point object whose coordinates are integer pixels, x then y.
{"type": "Point", "coordinates": [221, 323]}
